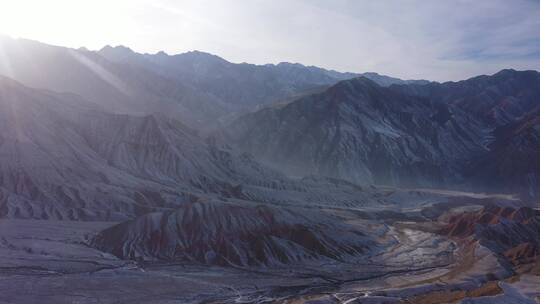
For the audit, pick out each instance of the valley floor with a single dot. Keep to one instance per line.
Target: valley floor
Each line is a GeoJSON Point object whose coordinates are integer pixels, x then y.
{"type": "Point", "coordinates": [51, 262]}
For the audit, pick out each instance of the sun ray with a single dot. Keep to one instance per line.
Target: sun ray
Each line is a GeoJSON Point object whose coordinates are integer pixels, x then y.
{"type": "Point", "coordinates": [5, 65]}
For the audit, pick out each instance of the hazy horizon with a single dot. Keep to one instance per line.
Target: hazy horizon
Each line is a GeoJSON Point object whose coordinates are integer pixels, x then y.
{"type": "Point", "coordinates": [409, 40]}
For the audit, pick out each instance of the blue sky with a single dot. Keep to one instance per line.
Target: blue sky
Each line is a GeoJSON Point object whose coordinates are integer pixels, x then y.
{"type": "Point", "coordinates": [431, 39]}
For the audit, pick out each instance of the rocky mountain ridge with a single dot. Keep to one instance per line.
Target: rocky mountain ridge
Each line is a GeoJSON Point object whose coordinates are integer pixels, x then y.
{"type": "Point", "coordinates": [430, 134]}
{"type": "Point", "coordinates": [362, 132]}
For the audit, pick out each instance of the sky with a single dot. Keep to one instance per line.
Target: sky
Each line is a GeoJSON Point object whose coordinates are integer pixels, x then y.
{"type": "Point", "coordinates": [412, 39]}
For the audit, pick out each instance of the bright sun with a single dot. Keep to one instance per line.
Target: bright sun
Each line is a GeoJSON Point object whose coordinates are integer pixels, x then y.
{"type": "Point", "coordinates": [67, 22]}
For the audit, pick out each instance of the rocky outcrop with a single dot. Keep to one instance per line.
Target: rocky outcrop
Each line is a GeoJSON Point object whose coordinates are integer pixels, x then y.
{"type": "Point", "coordinates": [512, 233]}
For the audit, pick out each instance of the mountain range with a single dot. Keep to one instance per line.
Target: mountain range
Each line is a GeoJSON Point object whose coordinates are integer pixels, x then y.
{"type": "Point", "coordinates": [190, 179]}
{"type": "Point", "coordinates": [198, 88]}
{"type": "Point", "coordinates": [63, 157]}
{"type": "Point", "coordinates": [152, 115]}
{"type": "Point", "coordinates": [431, 135]}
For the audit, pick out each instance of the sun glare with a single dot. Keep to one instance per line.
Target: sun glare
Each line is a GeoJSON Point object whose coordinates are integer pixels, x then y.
{"type": "Point", "coordinates": [69, 23]}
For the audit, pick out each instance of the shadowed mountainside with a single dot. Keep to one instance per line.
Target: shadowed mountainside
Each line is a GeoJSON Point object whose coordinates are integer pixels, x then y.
{"type": "Point", "coordinates": [429, 135]}
{"type": "Point", "coordinates": [362, 132]}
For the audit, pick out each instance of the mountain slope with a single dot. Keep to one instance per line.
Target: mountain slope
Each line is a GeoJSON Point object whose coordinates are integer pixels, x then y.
{"type": "Point", "coordinates": [510, 232]}
{"type": "Point", "coordinates": [62, 157]}
{"type": "Point", "coordinates": [198, 88]}
{"type": "Point", "coordinates": [244, 86]}
{"type": "Point", "coordinates": [386, 81]}
{"type": "Point", "coordinates": [497, 99]}
{"type": "Point", "coordinates": [480, 132]}
{"type": "Point", "coordinates": [362, 132]}
{"type": "Point", "coordinates": [513, 160]}
{"type": "Point", "coordinates": [508, 104]}
{"type": "Point", "coordinates": [116, 87]}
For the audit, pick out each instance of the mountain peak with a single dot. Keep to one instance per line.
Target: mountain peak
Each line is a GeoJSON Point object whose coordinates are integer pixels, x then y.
{"type": "Point", "coordinates": [517, 73]}
{"type": "Point", "coordinates": [364, 80]}
{"type": "Point", "coordinates": [201, 54]}
{"type": "Point", "coordinates": [294, 64]}
{"type": "Point", "coordinates": [118, 49]}
{"type": "Point", "coordinates": [356, 83]}
{"type": "Point", "coordinates": [117, 53]}
{"type": "Point", "coordinates": [198, 53]}
{"type": "Point", "coordinates": [505, 71]}
{"type": "Point", "coordinates": [199, 57]}
{"type": "Point", "coordinates": [387, 81]}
